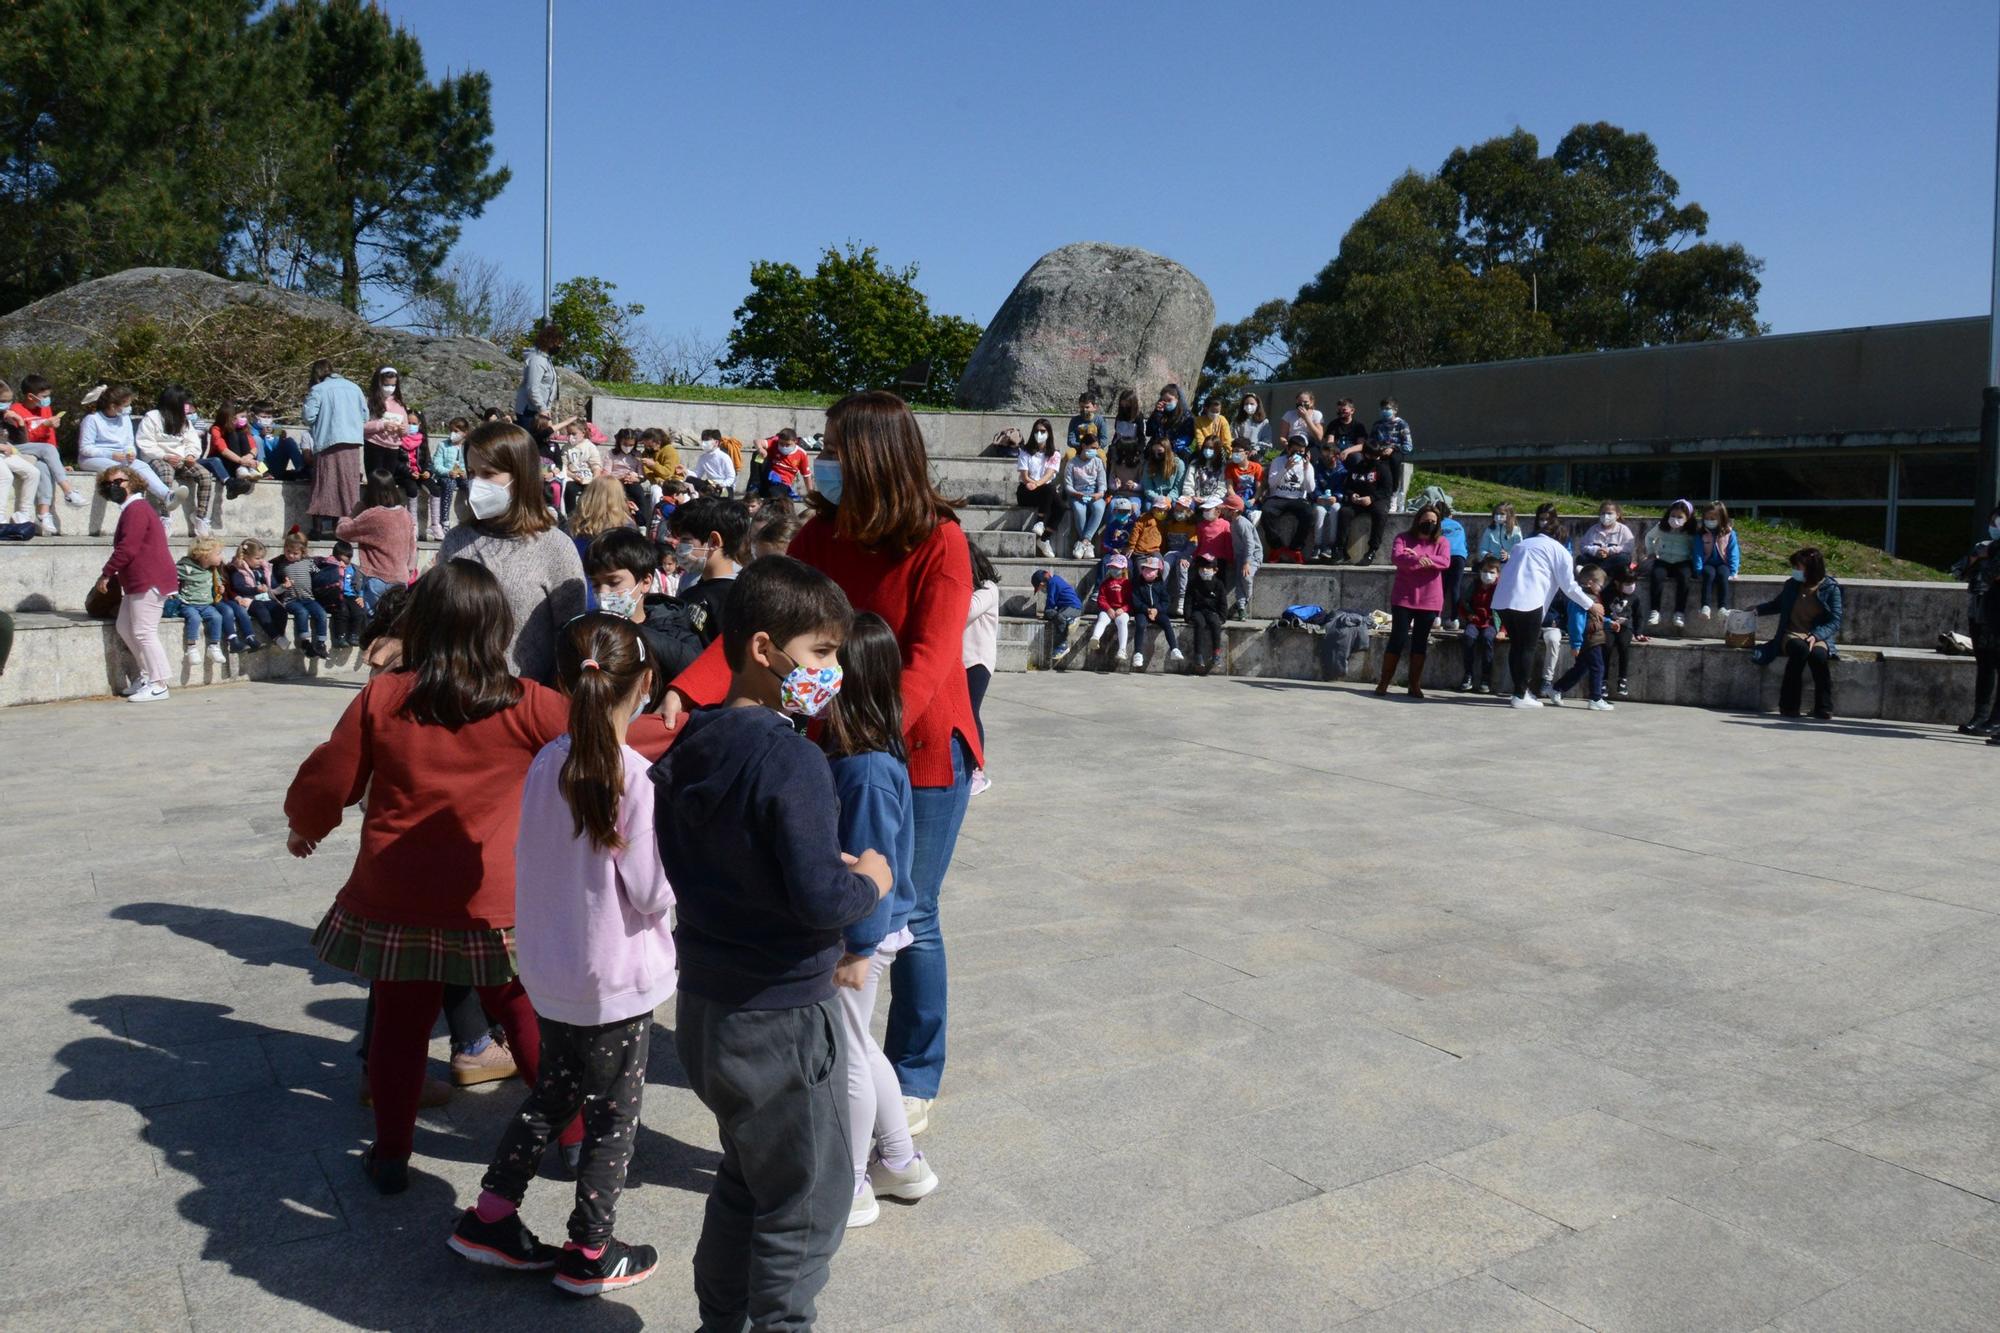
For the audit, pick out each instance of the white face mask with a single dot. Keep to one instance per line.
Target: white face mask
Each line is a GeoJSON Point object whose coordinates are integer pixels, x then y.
{"type": "Point", "coordinates": [618, 603]}
{"type": "Point", "coordinates": [1041, 437]}
{"type": "Point", "coordinates": [1490, 576]}
{"type": "Point", "coordinates": [708, 446]}
{"type": "Point", "coordinates": [488, 498]}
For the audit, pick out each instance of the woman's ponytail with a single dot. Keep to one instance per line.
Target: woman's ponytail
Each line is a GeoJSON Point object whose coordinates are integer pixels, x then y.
{"type": "Point", "coordinates": [600, 659]}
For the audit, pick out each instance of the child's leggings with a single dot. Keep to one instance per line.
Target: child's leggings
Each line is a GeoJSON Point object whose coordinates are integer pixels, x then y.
{"type": "Point", "coordinates": [269, 617]}
{"type": "Point", "coordinates": [1715, 587]}
{"type": "Point", "coordinates": [399, 1049]}
{"type": "Point", "coordinates": [236, 622]}
{"type": "Point", "coordinates": [874, 1096]}
{"type": "Point", "coordinates": [593, 1077]}
{"type": "Point", "coordinates": [1207, 635]}
{"type": "Point", "coordinates": [1165, 624]}
{"type": "Point", "coordinates": [194, 619]}
{"type": "Point", "coordinates": [1123, 619]}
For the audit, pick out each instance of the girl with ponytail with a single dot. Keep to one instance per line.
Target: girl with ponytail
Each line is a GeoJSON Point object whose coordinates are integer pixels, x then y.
{"type": "Point", "coordinates": [596, 955]}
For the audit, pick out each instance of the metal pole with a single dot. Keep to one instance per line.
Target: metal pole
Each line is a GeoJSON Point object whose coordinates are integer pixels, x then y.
{"type": "Point", "coordinates": [1988, 492]}
{"type": "Point", "coordinates": [549, 166]}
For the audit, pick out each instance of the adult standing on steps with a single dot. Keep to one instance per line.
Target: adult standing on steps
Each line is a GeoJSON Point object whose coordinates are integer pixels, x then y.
{"type": "Point", "coordinates": [143, 568]}
{"type": "Point", "coordinates": [335, 412]}
{"type": "Point", "coordinates": [540, 387]}
{"type": "Point", "coordinates": [1540, 568]}
{"type": "Point", "coordinates": [513, 533]}
{"type": "Point", "coordinates": [882, 532]}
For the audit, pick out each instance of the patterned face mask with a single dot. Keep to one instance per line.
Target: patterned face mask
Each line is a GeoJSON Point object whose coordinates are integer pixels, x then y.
{"type": "Point", "coordinates": [807, 691]}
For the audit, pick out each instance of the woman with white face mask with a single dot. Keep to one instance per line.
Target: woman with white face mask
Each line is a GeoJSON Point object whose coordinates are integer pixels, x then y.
{"type": "Point", "coordinates": [513, 533]}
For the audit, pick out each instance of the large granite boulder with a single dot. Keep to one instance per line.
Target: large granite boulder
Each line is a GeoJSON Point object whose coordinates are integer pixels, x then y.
{"type": "Point", "coordinates": [445, 377]}
{"type": "Point", "coordinates": [1121, 317]}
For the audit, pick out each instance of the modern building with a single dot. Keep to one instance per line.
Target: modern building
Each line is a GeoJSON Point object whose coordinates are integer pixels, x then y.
{"type": "Point", "coordinates": [1867, 433]}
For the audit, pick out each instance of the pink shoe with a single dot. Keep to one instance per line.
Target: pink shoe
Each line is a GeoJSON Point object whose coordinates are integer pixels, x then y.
{"type": "Point", "coordinates": [980, 782]}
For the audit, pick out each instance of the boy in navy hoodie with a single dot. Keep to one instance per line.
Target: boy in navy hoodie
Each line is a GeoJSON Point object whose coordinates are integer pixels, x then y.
{"type": "Point", "coordinates": [748, 827]}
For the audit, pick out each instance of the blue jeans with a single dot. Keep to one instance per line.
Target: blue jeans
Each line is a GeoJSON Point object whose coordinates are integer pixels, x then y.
{"type": "Point", "coordinates": [372, 590]}
{"type": "Point", "coordinates": [282, 456]}
{"type": "Point", "coordinates": [307, 615]}
{"type": "Point", "coordinates": [236, 622]}
{"type": "Point", "coordinates": [1088, 515]}
{"type": "Point", "coordinates": [914, 1042]}
{"type": "Point", "coordinates": [1715, 585]}
{"type": "Point", "coordinates": [218, 469]}
{"type": "Point", "coordinates": [197, 618]}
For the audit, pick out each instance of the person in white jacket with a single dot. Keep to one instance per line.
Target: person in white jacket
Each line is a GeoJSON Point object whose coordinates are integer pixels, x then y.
{"type": "Point", "coordinates": [1540, 569]}
{"type": "Point", "coordinates": [982, 646]}
{"type": "Point", "coordinates": [170, 444]}
{"type": "Point", "coordinates": [714, 467]}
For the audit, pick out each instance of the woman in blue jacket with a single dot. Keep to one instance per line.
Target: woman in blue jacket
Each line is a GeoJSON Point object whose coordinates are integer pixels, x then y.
{"type": "Point", "coordinates": [1717, 558]}
{"type": "Point", "coordinates": [1808, 612]}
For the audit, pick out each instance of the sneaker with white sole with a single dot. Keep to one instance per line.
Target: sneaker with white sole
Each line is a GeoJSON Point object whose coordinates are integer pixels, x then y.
{"type": "Point", "coordinates": [201, 527]}
{"type": "Point", "coordinates": [1680, 621]}
{"type": "Point", "coordinates": [911, 1183]}
{"type": "Point", "coordinates": [504, 1244]}
{"type": "Point", "coordinates": [1704, 613]}
{"type": "Point", "coordinates": [864, 1210]}
{"type": "Point", "coordinates": [1043, 549]}
{"type": "Point", "coordinates": [193, 655]}
{"type": "Point", "coordinates": [1138, 661]}
{"type": "Point", "coordinates": [1525, 701]}
{"type": "Point", "coordinates": [152, 694]}
{"type": "Point", "coordinates": [1653, 619]}
{"type": "Point", "coordinates": [1601, 706]}
{"type": "Point", "coordinates": [74, 500]}
{"type": "Point", "coordinates": [20, 516]}
{"type": "Point", "coordinates": [1176, 655]}
{"type": "Point", "coordinates": [917, 1112]}
{"type": "Point", "coordinates": [980, 782]}
{"type": "Point", "coordinates": [618, 1265]}
{"type": "Point", "coordinates": [47, 523]}
{"type": "Point", "coordinates": [1550, 699]}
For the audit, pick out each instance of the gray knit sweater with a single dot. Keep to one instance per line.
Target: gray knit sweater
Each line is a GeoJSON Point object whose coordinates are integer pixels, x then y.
{"type": "Point", "coordinates": [543, 580]}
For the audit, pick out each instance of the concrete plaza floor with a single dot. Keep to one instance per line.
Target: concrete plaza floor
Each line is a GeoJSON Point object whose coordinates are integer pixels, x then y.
{"type": "Point", "coordinates": [1274, 1006]}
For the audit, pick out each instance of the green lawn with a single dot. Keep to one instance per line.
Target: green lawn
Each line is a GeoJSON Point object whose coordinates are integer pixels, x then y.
{"type": "Point", "coordinates": [1767, 546]}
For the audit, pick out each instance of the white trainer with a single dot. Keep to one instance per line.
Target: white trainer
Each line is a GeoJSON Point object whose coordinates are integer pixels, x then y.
{"type": "Point", "coordinates": [863, 1210]}
{"type": "Point", "coordinates": [1680, 621]}
{"type": "Point", "coordinates": [193, 656]}
{"type": "Point", "coordinates": [1653, 619]}
{"type": "Point", "coordinates": [1177, 656]}
{"type": "Point", "coordinates": [917, 1112]}
{"type": "Point", "coordinates": [72, 498]}
{"type": "Point", "coordinates": [913, 1182]}
{"type": "Point", "coordinates": [1138, 661]}
{"type": "Point", "coordinates": [1602, 706]}
{"type": "Point", "coordinates": [1525, 701]}
{"type": "Point", "coordinates": [1704, 613]}
{"type": "Point", "coordinates": [151, 694]}
{"type": "Point", "coordinates": [215, 654]}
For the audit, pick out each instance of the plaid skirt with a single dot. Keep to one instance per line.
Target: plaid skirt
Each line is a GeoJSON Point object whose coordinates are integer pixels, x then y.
{"type": "Point", "coordinates": [385, 952]}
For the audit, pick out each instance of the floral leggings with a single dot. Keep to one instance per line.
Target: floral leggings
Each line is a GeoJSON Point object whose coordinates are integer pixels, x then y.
{"type": "Point", "coordinates": [600, 1072]}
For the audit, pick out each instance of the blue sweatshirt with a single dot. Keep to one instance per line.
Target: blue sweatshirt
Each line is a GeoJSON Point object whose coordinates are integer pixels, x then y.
{"type": "Point", "coordinates": [748, 828]}
{"type": "Point", "coordinates": [1061, 595]}
{"type": "Point", "coordinates": [1453, 532]}
{"type": "Point", "coordinates": [875, 811]}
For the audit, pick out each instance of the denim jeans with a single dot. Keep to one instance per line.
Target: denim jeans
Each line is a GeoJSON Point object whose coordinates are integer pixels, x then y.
{"type": "Point", "coordinates": [1088, 514]}
{"type": "Point", "coordinates": [1715, 586]}
{"type": "Point", "coordinates": [914, 1042]}
{"type": "Point", "coordinates": [283, 458]}
{"type": "Point", "coordinates": [236, 622]}
{"type": "Point", "coordinates": [371, 592]}
{"type": "Point", "coordinates": [195, 619]}
{"type": "Point", "coordinates": [307, 616]}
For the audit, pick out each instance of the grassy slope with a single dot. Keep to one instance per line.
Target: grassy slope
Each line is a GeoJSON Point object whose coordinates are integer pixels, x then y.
{"type": "Point", "coordinates": [1766, 545]}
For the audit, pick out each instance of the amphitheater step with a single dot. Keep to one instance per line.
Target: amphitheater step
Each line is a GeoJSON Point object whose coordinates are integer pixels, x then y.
{"type": "Point", "coordinates": [60, 656]}
{"type": "Point", "coordinates": [1887, 683]}
{"type": "Point", "coordinates": [54, 573]}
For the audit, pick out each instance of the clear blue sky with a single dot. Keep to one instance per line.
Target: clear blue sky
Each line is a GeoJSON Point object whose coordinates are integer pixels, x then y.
{"type": "Point", "coordinates": [1849, 144]}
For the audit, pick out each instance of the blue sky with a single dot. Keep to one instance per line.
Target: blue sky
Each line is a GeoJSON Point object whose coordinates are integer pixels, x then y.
{"type": "Point", "coordinates": [1851, 145]}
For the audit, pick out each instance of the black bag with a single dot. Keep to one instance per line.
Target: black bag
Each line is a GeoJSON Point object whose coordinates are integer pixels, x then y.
{"type": "Point", "coordinates": [17, 532]}
{"type": "Point", "coordinates": [984, 498]}
{"type": "Point", "coordinates": [672, 636]}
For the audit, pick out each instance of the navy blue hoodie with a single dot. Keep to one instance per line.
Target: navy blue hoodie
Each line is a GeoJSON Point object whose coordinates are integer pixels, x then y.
{"type": "Point", "coordinates": [749, 832]}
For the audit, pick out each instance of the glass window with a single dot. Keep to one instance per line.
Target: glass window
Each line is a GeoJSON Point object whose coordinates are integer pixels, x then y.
{"type": "Point", "coordinates": [1527, 476]}
{"type": "Point", "coordinates": [1644, 482]}
{"type": "Point", "coordinates": [1806, 477]}
{"type": "Point", "coordinates": [1943, 476]}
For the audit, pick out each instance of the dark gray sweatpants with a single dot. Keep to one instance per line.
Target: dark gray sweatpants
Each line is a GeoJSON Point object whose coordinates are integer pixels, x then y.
{"type": "Point", "coordinates": [776, 1080]}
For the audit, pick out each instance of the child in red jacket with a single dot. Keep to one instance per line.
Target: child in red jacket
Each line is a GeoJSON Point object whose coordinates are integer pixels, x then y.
{"type": "Point", "coordinates": [1475, 614]}
{"type": "Point", "coordinates": [1114, 604]}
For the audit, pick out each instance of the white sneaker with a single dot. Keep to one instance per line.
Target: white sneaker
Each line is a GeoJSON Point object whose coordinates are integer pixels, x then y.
{"type": "Point", "coordinates": [21, 516]}
{"type": "Point", "coordinates": [201, 528]}
{"type": "Point", "coordinates": [1043, 549]}
{"type": "Point", "coordinates": [1653, 619]}
{"type": "Point", "coordinates": [47, 523]}
{"type": "Point", "coordinates": [151, 694]}
{"type": "Point", "coordinates": [215, 654]}
{"type": "Point", "coordinates": [1138, 661]}
{"type": "Point", "coordinates": [179, 496]}
{"type": "Point", "coordinates": [917, 1111]}
{"type": "Point", "coordinates": [913, 1182]}
{"type": "Point", "coordinates": [1177, 656]}
{"type": "Point", "coordinates": [1704, 613]}
{"type": "Point", "coordinates": [1525, 701]}
{"type": "Point", "coordinates": [1551, 699]}
{"type": "Point", "coordinates": [863, 1210]}
{"type": "Point", "coordinates": [139, 686]}
{"type": "Point", "coordinates": [1602, 706]}
{"type": "Point", "coordinates": [1680, 621]}
{"type": "Point", "coordinates": [1038, 528]}
{"type": "Point", "coordinates": [73, 499]}
{"type": "Point", "coordinates": [193, 655]}
{"type": "Point", "coordinates": [980, 782]}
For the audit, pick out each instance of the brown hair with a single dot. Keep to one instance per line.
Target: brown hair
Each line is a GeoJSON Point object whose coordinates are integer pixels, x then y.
{"type": "Point", "coordinates": [456, 630]}
{"type": "Point", "coordinates": [1810, 559]}
{"type": "Point", "coordinates": [783, 598]}
{"type": "Point", "coordinates": [867, 714]}
{"type": "Point", "coordinates": [549, 338]}
{"type": "Point", "coordinates": [505, 447]}
{"type": "Point", "coordinates": [600, 661]}
{"type": "Point", "coordinates": [601, 509]}
{"type": "Point", "coordinates": [888, 503]}
{"type": "Point", "coordinates": [1721, 511]}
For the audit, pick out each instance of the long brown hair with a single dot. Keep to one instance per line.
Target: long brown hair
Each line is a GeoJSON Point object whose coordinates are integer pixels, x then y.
{"type": "Point", "coordinates": [887, 500]}
{"type": "Point", "coordinates": [455, 632]}
{"type": "Point", "coordinates": [601, 509]}
{"type": "Point", "coordinates": [867, 715]}
{"type": "Point", "coordinates": [505, 447]}
{"type": "Point", "coordinates": [600, 661]}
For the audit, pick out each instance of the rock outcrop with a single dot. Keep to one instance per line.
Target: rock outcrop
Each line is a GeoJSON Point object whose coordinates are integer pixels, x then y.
{"type": "Point", "coordinates": [1110, 314]}
{"type": "Point", "coordinates": [445, 377]}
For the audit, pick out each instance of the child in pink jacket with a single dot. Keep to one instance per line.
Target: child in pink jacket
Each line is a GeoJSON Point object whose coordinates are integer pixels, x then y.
{"type": "Point", "coordinates": [1416, 597]}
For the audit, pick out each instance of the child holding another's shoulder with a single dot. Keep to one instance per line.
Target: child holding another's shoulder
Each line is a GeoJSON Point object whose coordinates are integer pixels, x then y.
{"type": "Point", "coordinates": [747, 823]}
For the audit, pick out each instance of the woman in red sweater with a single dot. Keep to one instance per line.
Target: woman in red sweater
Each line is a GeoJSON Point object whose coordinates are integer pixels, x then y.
{"type": "Point", "coordinates": [440, 747]}
{"type": "Point", "coordinates": [882, 532]}
{"type": "Point", "coordinates": [143, 568]}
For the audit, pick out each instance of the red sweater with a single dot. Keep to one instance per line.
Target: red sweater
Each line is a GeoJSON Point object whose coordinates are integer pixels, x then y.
{"type": "Point", "coordinates": [444, 804]}
{"type": "Point", "coordinates": [1114, 595]}
{"type": "Point", "coordinates": [140, 560]}
{"type": "Point", "coordinates": [925, 596]}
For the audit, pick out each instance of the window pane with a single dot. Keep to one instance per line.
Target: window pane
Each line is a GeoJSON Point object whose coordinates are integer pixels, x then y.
{"type": "Point", "coordinates": [1819, 477]}
{"type": "Point", "coordinates": [1949, 476]}
{"type": "Point", "coordinates": [1644, 482]}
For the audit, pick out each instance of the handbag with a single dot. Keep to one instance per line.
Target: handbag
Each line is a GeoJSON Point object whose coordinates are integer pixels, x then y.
{"type": "Point", "coordinates": [103, 605]}
{"type": "Point", "coordinates": [1740, 628]}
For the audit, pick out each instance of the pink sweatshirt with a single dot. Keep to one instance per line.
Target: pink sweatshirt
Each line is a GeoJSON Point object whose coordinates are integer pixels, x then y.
{"type": "Point", "coordinates": [590, 926]}
{"type": "Point", "coordinates": [1420, 566]}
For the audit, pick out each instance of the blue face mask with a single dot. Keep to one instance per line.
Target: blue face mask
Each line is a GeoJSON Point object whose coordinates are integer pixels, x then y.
{"type": "Point", "coordinates": [1993, 531]}
{"type": "Point", "coordinates": [1798, 576]}
{"type": "Point", "coordinates": [826, 478]}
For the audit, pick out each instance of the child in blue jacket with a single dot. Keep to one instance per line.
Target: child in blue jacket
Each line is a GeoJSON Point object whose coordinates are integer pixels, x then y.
{"type": "Point", "coordinates": [1717, 558]}
{"type": "Point", "coordinates": [1060, 610]}
{"type": "Point", "coordinates": [871, 775]}
{"type": "Point", "coordinates": [1453, 533]}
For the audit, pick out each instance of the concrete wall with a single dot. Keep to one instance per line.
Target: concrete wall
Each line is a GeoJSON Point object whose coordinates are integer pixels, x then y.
{"type": "Point", "coordinates": [1893, 384]}
{"type": "Point", "coordinates": [946, 434]}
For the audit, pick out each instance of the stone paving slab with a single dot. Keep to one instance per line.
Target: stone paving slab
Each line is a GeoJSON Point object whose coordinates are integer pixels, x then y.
{"type": "Point", "coordinates": [1273, 1008]}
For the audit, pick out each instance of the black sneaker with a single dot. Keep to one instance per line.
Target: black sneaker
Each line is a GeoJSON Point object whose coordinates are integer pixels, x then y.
{"type": "Point", "coordinates": [389, 1177]}
{"type": "Point", "coordinates": [620, 1265]}
{"type": "Point", "coordinates": [1624, 688]}
{"type": "Point", "coordinates": [504, 1244]}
